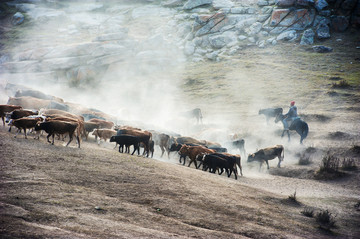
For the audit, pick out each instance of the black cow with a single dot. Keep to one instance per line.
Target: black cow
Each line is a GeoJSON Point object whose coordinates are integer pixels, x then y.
{"type": "Point", "coordinates": [270, 113]}
{"type": "Point", "coordinates": [216, 161]}
{"type": "Point", "coordinates": [126, 140]}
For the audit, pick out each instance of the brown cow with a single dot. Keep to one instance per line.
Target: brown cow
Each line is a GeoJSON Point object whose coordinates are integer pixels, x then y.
{"type": "Point", "coordinates": [268, 154]}
{"type": "Point", "coordinates": [19, 113]}
{"type": "Point", "coordinates": [29, 102]}
{"type": "Point", "coordinates": [163, 140]}
{"type": "Point", "coordinates": [193, 151]}
{"type": "Point", "coordinates": [6, 109]}
{"type": "Point", "coordinates": [25, 123]}
{"type": "Point", "coordinates": [104, 124]}
{"type": "Point", "coordinates": [80, 123]}
{"type": "Point", "coordinates": [104, 134]}
{"type": "Point", "coordinates": [89, 127]}
{"type": "Point", "coordinates": [58, 127]}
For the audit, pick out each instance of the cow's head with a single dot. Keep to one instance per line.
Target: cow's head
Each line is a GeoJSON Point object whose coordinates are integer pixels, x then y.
{"type": "Point", "coordinates": [96, 133]}
{"type": "Point", "coordinates": [184, 150]}
{"type": "Point", "coordinates": [251, 157]}
{"type": "Point", "coordinates": [8, 117]}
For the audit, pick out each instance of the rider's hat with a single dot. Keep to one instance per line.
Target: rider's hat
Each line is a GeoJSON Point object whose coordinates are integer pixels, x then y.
{"type": "Point", "coordinates": [292, 103]}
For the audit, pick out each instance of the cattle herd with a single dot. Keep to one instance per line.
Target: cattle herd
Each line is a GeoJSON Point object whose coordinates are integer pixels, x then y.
{"type": "Point", "coordinates": [28, 112]}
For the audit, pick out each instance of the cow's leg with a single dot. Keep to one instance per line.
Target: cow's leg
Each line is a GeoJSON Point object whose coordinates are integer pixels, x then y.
{"type": "Point", "coordinates": [48, 136]}
{"type": "Point", "coordinates": [221, 170]}
{"type": "Point", "coordinates": [25, 133]}
{"type": "Point", "coordinates": [2, 117]}
{"type": "Point", "coordinates": [53, 139]}
{"type": "Point", "coordinates": [134, 149]}
{"type": "Point", "coordinates": [78, 140]}
{"type": "Point", "coordinates": [267, 163]}
{"type": "Point", "coordinates": [10, 129]}
{"type": "Point", "coordinates": [71, 137]}
{"type": "Point", "coordinates": [162, 150]}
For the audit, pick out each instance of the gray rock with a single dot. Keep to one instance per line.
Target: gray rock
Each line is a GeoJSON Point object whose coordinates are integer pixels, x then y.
{"type": "Point", "coordinates": [17, 18]}
{"type": "Point", "coordinates": [322, 49]}
{"type": "Point", "coordinates": [220, 41]}
{"type": "Point", "coordinates": [320, 5]}
{"type": "Point", "coordinates": [287, 36]}
{"type": "Point", "coordinates": [111, 37]}
{"type": "Point", "coordinates": [173, 3]}
{"type": "Point", "coordinates": [307, 37]}
{"type": "Point", "coordinates": [190, 4]}
{"type": "Point", "coordinates": [189, 48]}
{"type": "Point", "coordinates": [323, 31]}
{"type": "Point", "coordinates": [238, 10]}
{"type": "Point", "coordinates": [254, 29]}
{"type": "Point", "coordinates": [218, 4]}
{"type": "Point", "coordinates": [263, 3]}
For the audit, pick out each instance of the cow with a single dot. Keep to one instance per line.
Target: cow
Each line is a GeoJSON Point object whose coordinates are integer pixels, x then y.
{"type": "Point", "coordinates": [226, 156]}
{"type": "Point", "coordinates": [266, 154]}
{"type": "Point", "coordinates": [89, 127]}
{"type": "Point", "coordinates": [28, 102]}
{"type": "Point", "coordinates": [24, 123]}
{"type": "Point", "coordinates": [270, 113]}
{"type": "Point", "coordinates": [58, 127]}
{"type": "Point", "coordinates": [104, 134]}
{"type": "Point", "coordinates": [195, 113]}
{"type": "Point", "coordinates": [6, 109]}
{"type": "Point", "coordinates": [37, 94]}
{"type": "Point", "coordinates": [19, 113]}
{"type": "Point", "coordinates": [79, 130]}
{"type": "Point", "coordinates": [239, 144]}
{"type": "Point", "coordinates": [126, 140]}
{"type": "Point", "coordinates": [192, 152]}
{"type": "Point", "coordinates": [219, 161]}
{"type": "Point", "coordinates": [57, 113]}
{"type": "Point", "coordinates": [163, 140]}
{"type": "Point", "coordinates": [151, 147]}
{"type": "Point", "coordinates": [144, 137]}
{"type": "Point", "coordinates": [103, 124]}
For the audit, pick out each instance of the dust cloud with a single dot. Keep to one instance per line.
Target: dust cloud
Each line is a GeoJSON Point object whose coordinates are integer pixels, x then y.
{"type": "Point", "coordinates": [127, 60]}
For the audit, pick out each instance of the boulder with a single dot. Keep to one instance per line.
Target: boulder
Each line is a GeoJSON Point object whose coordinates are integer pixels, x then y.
{"type": "Point", "coordinates": [286, 3]}
{"type": "Point", "coordinates": [219, 4]}
{"type": "Point", "coordinates": [17, 18]}
{"type": "Point", "coordinates": [290, 35]}
{"type": "Point", "coordinates": [322, 49]}
{"type": "Point", "coordinates": [298, 19]}
{"type": "Point", "coordinates": [190, 4]}
{"type": "Point", "coordinates": [320, 4]}
{"type": "Point", "coordinates": [307, 37]}
{"type": "Point", "coordinates": [220, 41]}
{"type": "Point", "coordinates": [339, 23]}
{"type": "Point", "coordinates": [323, 31]}
{"type": "Point", "coordinates": [173, 3]}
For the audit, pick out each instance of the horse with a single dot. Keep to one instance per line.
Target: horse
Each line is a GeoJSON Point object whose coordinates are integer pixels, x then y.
{"type": "Point", "coordinates": [300, 126]}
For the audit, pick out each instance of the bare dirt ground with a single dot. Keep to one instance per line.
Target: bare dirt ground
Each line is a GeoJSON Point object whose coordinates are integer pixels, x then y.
{"type": "Point", "coordinates": [52, 191]}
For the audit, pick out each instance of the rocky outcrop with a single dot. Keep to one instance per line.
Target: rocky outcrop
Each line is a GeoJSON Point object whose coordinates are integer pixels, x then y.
{"type": "Point", "coordinates": [80, 42]}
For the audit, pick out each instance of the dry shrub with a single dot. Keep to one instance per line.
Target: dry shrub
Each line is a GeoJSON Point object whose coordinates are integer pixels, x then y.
{"type": "Point", "coordinates": [348, 164]}
{"type": "Point", "coordinates": [341, 84]}
{"type": "Point", "coordinates": [329, 168]}
{"type": "Point", "coordinates": [325, 219]}
{"type": "Point", "coordinates": [330, 164]}
{"type": "Point", "coordinates": [292, 197]}
{"type": "Point", "coordinates": [308, 212]}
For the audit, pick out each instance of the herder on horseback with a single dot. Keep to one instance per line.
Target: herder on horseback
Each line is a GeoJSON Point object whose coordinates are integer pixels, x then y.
{"type": "Point", "coordinates": [290, 116]}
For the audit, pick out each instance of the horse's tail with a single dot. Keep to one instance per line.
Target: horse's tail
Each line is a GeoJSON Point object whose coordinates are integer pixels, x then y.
{"type": "Point", "coordinates": [305, 130]}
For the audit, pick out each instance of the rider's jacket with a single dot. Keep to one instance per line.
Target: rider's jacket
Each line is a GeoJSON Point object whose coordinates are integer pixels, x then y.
{"type": "Point", "coordinates": [292, 112]}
